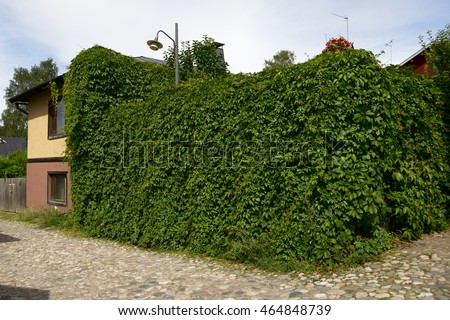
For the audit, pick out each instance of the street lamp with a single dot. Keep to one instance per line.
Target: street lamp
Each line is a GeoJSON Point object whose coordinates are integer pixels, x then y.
{"type": "Point", "coordinates": [346, 19]}
{"type": "Point", "coordinates": [155, 45]}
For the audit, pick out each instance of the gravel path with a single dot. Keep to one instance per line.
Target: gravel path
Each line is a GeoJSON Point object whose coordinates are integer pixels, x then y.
{"type": "Point", "coordinates": [38, 263]}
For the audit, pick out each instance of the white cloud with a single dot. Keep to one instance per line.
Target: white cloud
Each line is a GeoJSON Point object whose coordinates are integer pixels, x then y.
{"type": "Point", "coordinates": [252, 30]}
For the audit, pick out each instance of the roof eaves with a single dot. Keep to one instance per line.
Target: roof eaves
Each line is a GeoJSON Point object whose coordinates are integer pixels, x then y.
{"type": "Point", "coordinates": [24, 96]}
{"type": "Point", "coordinates": [147, 59]}
{"type": "Point", "coordinates": [414, 55]}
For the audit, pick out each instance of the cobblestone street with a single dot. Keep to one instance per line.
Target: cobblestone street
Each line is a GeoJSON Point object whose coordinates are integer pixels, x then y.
{"type": "Point", "coordinates": [38, 263]}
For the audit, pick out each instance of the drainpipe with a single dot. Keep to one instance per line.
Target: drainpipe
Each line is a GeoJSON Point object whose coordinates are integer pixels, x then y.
{"type": "Point", "coordinates": [17, 105]}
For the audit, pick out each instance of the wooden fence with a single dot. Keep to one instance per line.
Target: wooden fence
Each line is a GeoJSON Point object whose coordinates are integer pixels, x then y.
{"type": "Point", "coordinates": [13, 194]}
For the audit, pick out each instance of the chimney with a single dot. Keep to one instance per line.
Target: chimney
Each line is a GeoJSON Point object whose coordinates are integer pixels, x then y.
{"type": "Point", "coordinates": [219, 50]}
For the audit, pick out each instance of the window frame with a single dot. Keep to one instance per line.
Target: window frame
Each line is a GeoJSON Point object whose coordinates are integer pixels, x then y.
{"type": "Point", "coordinates": [53, 120]}
{"type": "Point", "coordinates": [56, 202]}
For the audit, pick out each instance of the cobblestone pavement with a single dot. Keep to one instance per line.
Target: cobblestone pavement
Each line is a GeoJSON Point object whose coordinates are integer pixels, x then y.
{"type": "Point", "coordinates": [38, 263]}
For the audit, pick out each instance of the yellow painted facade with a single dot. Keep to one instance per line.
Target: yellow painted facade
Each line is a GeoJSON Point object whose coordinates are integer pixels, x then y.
{"type": "Point", "coordinates": [39, 144]}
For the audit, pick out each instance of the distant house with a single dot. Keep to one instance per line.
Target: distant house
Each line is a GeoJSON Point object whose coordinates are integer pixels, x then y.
{"type": "Point", "coordinates": [11, 144]}
{"type": "Point", "coordinates": [418, 62]}
{"type": "Point", "coordinates": [48, 173]}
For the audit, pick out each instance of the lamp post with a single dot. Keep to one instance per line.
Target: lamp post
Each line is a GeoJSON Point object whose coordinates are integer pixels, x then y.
{"type": "Point", "coordinates": [156, 45]}
{"type": "Point", "coordinates": [346, 19]}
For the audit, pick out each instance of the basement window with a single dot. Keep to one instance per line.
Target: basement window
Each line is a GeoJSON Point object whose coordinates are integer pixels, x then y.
{"type": "Point", "coordinates": [57, 188]}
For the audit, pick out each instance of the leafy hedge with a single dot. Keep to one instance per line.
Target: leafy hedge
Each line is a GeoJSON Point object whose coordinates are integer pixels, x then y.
{"type": "Point", "coordinates": [316, 162]}
{"type": "Point", "coordinates": [14, 165]}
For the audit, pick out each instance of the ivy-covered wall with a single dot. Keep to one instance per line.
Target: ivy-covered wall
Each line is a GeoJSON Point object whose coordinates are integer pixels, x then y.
{"type": "Point", "coordinates": [316, 162]}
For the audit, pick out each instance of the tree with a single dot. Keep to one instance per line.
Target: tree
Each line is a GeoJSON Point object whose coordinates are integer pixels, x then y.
{"type": "Point", "coordinates": [14, 165]}
{"type": "Point", "coordinates": [282, 58]}
{"type": "Point", "coordinates": [438, 53]}
{"type": "Point", "coordinates": [14, 122]}
{"type": "Point", "coordinates": [202, 57]}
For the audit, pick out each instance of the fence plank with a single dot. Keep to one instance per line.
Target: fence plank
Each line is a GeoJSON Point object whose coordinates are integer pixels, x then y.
{"type": "Point", "coordinates": [12, 194]}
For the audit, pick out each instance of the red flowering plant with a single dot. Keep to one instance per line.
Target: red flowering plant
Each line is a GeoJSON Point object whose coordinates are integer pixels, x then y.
{"type": "Point", "coordinates": [337, 44]}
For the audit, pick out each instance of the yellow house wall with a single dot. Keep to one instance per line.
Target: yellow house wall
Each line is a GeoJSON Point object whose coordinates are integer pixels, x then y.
{"type": "Point", "coordinates": [39, 145]}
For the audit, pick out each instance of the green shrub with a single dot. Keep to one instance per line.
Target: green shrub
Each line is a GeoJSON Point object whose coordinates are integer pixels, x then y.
{"type": "Point", "coordinates": [14, 165]}
{"type": "Point", "coordinates": [313, 163]}
{"type": "Point", "coordinates": [48, 217]}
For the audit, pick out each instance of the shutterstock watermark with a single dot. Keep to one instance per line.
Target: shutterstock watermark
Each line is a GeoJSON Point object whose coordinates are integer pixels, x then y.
{"type": "Point", "coordinates": [194, 152]}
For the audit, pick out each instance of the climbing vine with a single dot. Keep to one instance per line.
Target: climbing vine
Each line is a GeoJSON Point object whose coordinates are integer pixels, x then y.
{"type": "Point", "coordinates": [317, 162]}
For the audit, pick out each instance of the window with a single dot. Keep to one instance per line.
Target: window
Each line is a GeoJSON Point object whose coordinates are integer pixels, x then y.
{"type": "Point", "coordinates": [56, 119]}
{"type": "Point", "coordinates": [57, 188]}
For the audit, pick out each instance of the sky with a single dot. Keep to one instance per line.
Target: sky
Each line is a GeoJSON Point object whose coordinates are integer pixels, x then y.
{"type": "Point", "coordinates": [252, 30]}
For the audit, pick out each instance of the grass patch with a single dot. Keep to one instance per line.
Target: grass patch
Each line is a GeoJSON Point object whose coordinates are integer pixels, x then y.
{"type": "Point", "coordinates": [49, 218]}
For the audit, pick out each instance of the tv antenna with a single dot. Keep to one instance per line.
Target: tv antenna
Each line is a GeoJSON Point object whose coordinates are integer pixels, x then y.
{"type": "Point", "coordinates": [389, 44]}
{"type": "Point", "coordinates": [346, 19]}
